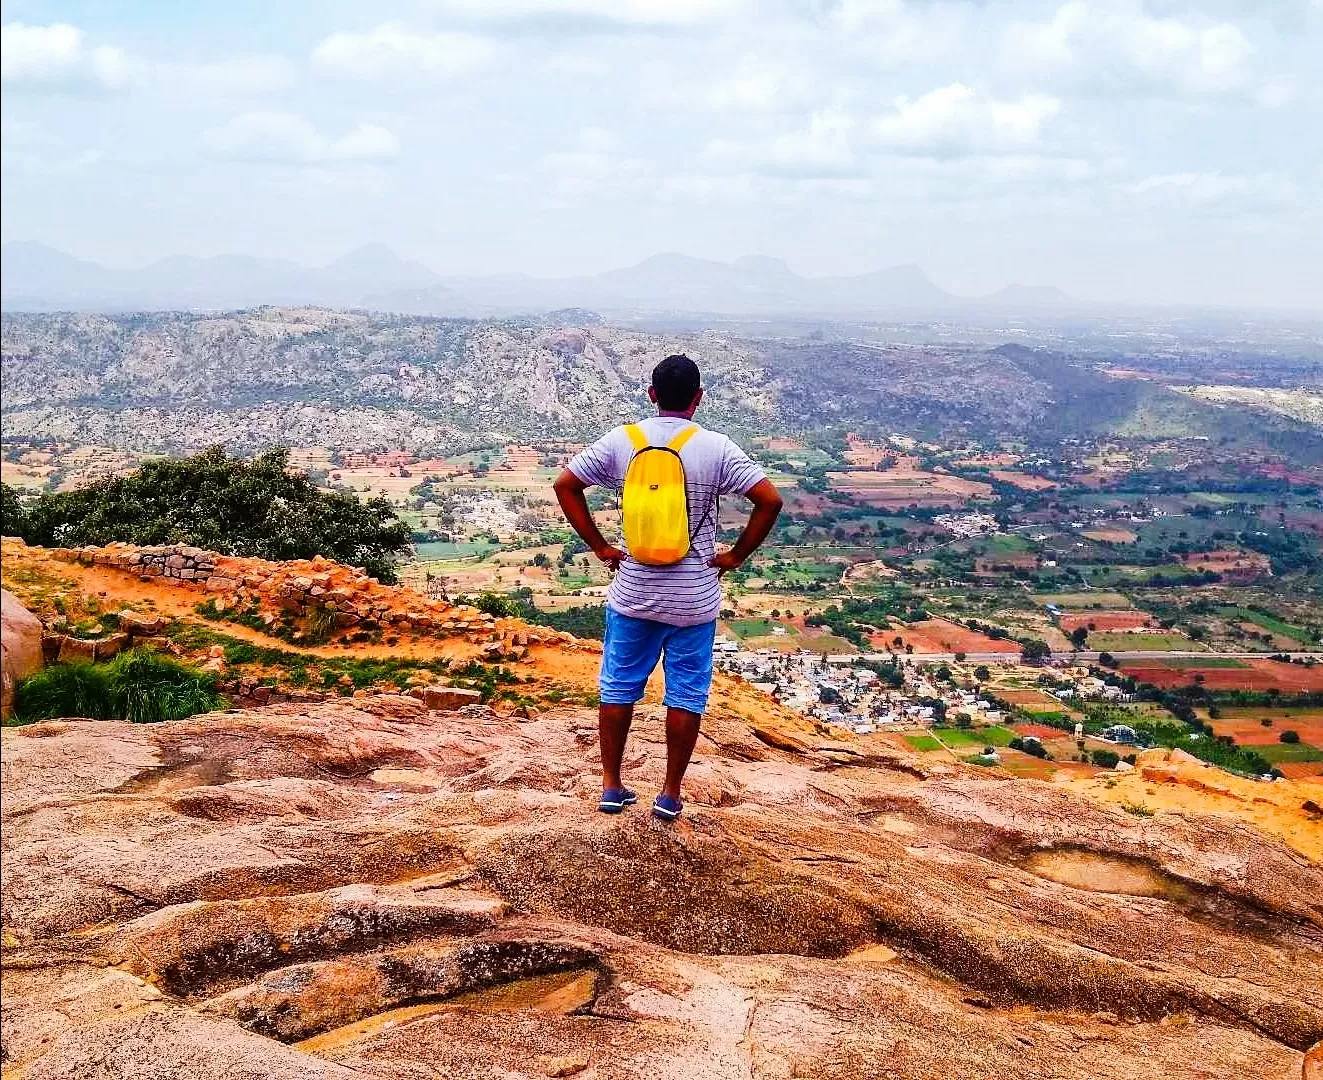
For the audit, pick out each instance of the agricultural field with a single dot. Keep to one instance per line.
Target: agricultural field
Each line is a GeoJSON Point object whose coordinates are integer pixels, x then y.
{"type": "Point", "coordinates": [1245, 724]}
{"type": "Point", "coordinates": [962, 738]}
{"type": "Point", "coordinates": [1146, 642]}
{"type": "Point", "coordinates": [1220, 673]}
{"type": "Point", "coordinates": [1105, 621]}
{"type": "Point", "coordinates": [1093, 599]}
{"type": "Point", "coordinates": [1032, 701]}
{"type": "Point", "coordinates": [942, 636]}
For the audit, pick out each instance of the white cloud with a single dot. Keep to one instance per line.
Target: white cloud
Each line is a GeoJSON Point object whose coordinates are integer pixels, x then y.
{"type": "Point", "coordinates": [894, 33]}
{"type": "Point", "coordinates": [1122, 47]}
{"type": "Point", "coordinates": [57, 58]}
{"type": "Point", "coordinates": [392, 49]}
{"type": "Point", "coordinates": [1210, 189]}
{"type": "Point", "coordinates": [285, 138]}
{"type": "Point", "coordinates": [592, 165]}
{"type": "Point", "coordinates": [581, 64]}
{"type": "Point", "coordinates": [821, 150]}
{"type": "Point", "coordinates": [956, 119]}
{"type": "Point", "coordinates": [755, 85]}
{"type": "Point", "coordinates": [239, 76]}
{"type": "Point", "coordinates": [590, 13]}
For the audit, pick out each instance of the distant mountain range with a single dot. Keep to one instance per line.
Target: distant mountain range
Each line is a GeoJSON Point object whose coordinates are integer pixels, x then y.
{"type": "Point", "coordinates": [34, 277]}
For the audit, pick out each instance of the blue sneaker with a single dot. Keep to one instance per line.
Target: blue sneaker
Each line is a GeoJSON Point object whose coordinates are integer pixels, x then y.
{"type": "Point", "coordinates": [666, 808]}
{"type": "Point", "coordinates": [616, 799]}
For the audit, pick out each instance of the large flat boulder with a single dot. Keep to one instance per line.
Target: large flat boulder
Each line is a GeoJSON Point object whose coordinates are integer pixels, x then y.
{"type": "Point", "coordinates": [370, 887]}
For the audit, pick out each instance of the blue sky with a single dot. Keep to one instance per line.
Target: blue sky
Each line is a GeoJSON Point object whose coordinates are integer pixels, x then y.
{"type": "Point", "coordinates": [1120, 149]}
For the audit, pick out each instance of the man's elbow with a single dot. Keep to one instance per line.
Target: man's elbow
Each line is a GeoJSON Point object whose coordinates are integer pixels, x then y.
{"type": "Point", "coordinates": [567, 483]}
{"type": "Point", "coordinates": [765, 497]}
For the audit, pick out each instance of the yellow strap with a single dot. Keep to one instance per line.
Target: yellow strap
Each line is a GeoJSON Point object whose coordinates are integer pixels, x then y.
{"type": "Point", "coordinates": [678, 442]}
{"type": "Point", "coordinates": [636, 436]}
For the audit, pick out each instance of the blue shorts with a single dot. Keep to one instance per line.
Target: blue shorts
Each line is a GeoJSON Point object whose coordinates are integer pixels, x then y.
{"type": "Point", "coordinates": [631, 651]}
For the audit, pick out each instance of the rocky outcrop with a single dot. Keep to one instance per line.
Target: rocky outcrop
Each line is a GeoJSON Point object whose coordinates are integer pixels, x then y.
{"type": "Point", "coordinates": [20, 647]}
{"type": "Point", "coordinates": [313, 600]}
{"type": "Point", "coordinates": [353, 888]}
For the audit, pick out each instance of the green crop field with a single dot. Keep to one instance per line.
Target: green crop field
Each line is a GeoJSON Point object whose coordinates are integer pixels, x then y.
{"type": "Point", "coordinates": [1278, 752]}
{"type": "Point", "coordinates": [1269, 622]}
{"type": "Point", "coordinates": [986, 736]}
{"type": "Point", "coordinates": [1083, 601]}
{"type": "Point", "coordinates": [1105, 642]}
{"type": "Point", "coordinates": [438, 551]}
{"type": "Point", "coordinates": [923, 742]}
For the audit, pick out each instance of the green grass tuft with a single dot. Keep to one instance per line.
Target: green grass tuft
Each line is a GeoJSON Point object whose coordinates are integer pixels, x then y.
{"type": "Point", "coordinates": [139, 686]}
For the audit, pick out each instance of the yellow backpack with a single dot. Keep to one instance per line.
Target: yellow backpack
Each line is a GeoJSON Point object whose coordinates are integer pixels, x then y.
{"type": "Point", "coordinates": [653, 502]}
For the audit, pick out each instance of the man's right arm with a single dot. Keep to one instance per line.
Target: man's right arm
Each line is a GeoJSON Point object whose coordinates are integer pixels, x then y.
{"type": "Point", "coordinates": [573, 504]}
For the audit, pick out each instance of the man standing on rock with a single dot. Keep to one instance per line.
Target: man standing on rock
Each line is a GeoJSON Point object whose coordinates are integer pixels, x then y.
{"type": "Point", "coordinates": [666, 592]}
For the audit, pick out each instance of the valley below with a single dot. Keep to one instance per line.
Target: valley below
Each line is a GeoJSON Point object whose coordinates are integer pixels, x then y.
{"type": "Point", "coordinates": [1013, 766]}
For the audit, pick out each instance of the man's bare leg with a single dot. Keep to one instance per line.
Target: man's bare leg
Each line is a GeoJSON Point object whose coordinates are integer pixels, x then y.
{"type": "Point", "coordinates": [613, 723]}
{"type": "Point", "coordinates": [681, 736]}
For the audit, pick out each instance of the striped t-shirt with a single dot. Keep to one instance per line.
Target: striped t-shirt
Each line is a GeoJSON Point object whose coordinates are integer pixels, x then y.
{"type": "Point", "coordinates": [688, 593]}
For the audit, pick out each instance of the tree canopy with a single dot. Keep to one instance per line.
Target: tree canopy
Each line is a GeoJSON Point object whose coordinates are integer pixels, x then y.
{"type": "Point", "coordinates": [255, 508]}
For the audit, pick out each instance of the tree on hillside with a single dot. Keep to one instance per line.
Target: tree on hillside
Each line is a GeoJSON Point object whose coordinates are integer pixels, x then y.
{"type": "Point", "coordinates": [213, 501]}
{"type": "Point", "coordinates": [1079, 636]}
{"type": "Point", "coordinates": [1035, 650]}
{"type": "Point", "coordinates": [13, 517]}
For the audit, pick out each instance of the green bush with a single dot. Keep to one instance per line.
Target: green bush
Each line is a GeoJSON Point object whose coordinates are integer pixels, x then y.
{"type": "Point", "coordinates": [139, 686]}
{"type": "Point", "coordinates": [81, 690]}
{"type": "Point", "coordinates": [1289, 737]}
{"type": "Point", "coordinates": [221, 503]}
{"type": "Point", "coordinates": [146, 688]}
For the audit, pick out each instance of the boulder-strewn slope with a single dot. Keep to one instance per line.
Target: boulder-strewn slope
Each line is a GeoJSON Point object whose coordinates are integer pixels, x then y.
{"type": "Point", "coordinates": [368, 889]}
{"type": "Point", "coordinates": [348, 379]}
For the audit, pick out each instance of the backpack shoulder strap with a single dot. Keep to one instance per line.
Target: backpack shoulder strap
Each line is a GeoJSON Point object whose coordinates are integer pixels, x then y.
{"type": "Point", "coordinates": [677, 443]}
{"type": "Point", "coordinates": [636, 436]}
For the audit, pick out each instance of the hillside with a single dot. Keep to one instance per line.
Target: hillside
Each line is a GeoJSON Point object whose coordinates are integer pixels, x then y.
{"type": "Point", "coordinates": [346, 886]}
{"type": "Point", "coordinates": [309, 377]}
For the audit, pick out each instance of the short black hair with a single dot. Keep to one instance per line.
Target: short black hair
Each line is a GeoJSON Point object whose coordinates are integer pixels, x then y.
{"type": "Point", "coordinates": [676, 381]}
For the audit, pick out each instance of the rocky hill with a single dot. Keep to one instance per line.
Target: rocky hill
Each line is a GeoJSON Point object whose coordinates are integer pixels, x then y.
{"type": "Point", "coordinates": [370, 888]}
{"type": "Point", "coordinates": [314, 377]}
{"type": "Point", "coordinates": [379, 887]}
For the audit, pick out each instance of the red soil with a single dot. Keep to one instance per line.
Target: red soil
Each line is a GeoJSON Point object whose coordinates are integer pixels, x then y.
{"type": "Point", "coordinates": [1105, 620]}
{"type": "Point", "coordinates": [1301, 770]}
{"type": "Point", "coordinates": [1248, 730]}
{"type": "Point", "coordinates": [1024, 481]}
{"type": "Point", "coordinates": [942, 636]}
{"type": "Point", "coordinates": [1038, 731]}
{"type": "Point", "coordinates": [1256, 675]}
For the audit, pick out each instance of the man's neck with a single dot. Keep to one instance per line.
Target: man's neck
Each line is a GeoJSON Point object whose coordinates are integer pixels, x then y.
{"type": "Point", "coordinates": [670, 414]}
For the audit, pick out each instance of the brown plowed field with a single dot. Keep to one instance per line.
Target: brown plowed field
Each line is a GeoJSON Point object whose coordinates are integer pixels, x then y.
{"type": "Point", "coordinates": [1033, 700]}
{"type": "Point", "coordinates": [1024, 481]}
{"type": "Point", "coordinates": [941, 636]}
{"type": "Point", "coordinates": [1106, 620]}
{"type": "Point", "coordinates": [1255, 675]}
{"type": "Point", "coordinates": [1038, 731]}
{"type": "Point", "coordinates": [1246, 728]}
{"type": "Point", "coordinates": [1301, 770]}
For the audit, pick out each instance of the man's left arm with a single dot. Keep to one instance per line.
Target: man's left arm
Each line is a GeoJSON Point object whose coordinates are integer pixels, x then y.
{"type": "Point", "coordinates": [766, 509]}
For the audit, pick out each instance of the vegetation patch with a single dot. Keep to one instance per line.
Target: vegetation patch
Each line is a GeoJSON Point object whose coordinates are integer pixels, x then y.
{"type": "Point", "coordinates": [140, 686]}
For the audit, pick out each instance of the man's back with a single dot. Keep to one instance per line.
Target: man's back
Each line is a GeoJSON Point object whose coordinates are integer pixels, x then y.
{"type": "Point", "coordinates": [688, 593]}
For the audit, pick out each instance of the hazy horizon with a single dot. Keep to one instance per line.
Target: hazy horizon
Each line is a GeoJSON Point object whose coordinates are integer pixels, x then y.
{"type": "Point", "coordinates": [1122, 151]}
